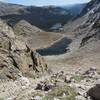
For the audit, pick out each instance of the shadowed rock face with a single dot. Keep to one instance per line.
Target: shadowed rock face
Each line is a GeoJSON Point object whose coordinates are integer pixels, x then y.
{"type": "Point", "coordinates": [16, 58]}
{"type": "Point", "coordinates": [94, 92]}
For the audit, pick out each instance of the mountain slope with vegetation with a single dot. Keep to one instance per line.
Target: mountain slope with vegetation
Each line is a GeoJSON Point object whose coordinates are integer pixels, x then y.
{"type": "Point", "coordinates": [42, 17]}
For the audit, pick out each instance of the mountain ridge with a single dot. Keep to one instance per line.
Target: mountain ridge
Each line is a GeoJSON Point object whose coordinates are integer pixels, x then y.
{"type": "Point", "coordinates": [75, 8]}
{"type": "Point", "coordinates": [37, 16]}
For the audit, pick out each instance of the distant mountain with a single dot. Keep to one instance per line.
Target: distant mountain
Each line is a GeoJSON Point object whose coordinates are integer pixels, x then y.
{"type": "Point", "coordinates": [7, 8]}
{"type": "Point", "coordinates": [42, 17]}
{"type": "Point", "coordinates": [75, 9]}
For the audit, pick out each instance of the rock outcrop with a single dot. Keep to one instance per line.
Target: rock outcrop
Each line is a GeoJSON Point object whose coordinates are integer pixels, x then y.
{"type": "Point", "coordinates": [16, 58]}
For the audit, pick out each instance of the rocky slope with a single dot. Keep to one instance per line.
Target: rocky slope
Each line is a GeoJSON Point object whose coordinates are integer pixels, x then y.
{"type": "Point", "coordinates": [88, 23]}
{"type": "Point", "coordinates": [76, 85]}
{"type": "Point", "coordinates": [89, 6]}
{"type": "Point", "coordinates": [16, 58]}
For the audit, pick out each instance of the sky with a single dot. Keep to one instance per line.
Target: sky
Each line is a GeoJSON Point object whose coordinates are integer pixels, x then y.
{"type": "Point", "coordinates": [45, 2]}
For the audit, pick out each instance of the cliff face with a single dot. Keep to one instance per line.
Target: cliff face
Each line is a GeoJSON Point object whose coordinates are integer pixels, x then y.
{"type": "Point", "coordinates": [16, 58]}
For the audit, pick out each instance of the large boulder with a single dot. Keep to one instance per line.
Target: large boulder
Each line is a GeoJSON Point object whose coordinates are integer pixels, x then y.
{"type": "Point", "coordinates": [94, 92]}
